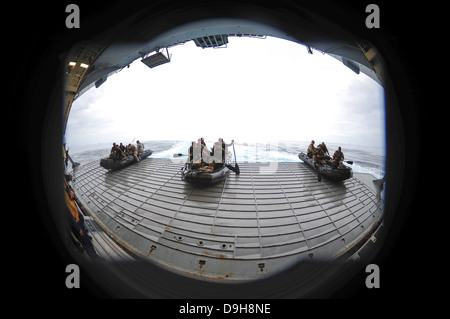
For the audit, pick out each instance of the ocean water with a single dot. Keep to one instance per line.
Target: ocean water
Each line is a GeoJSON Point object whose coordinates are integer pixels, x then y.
{"type": "Point", "coordinates": [365, 159]}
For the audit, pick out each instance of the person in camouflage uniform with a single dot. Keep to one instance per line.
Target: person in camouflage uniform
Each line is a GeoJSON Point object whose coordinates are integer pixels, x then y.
{"type": "Point", "coordinates": [132, 150]}
{"type": "Point", "coordinates": [319, 155]}
{"type": "Point", "coordinates": [338, 158]}
{"type": "Point", "coordinates": [311, 150]}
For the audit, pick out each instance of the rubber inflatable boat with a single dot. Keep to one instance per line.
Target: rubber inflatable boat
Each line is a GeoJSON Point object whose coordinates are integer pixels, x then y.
{"type": "Point", "coordinates": [202, 177]}
{"type": "Point", "coordinates": [334, 174]}
{"type": "Point", "coordinates": [112, 164]}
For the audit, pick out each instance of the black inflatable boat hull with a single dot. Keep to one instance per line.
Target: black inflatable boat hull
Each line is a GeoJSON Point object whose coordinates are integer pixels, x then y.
{"type": "Point", "coordinates": [333, 174]}
{"type": "Point", "coordinates": [204, 178]}
{"type": "Point", "coordinates": [114, 164]}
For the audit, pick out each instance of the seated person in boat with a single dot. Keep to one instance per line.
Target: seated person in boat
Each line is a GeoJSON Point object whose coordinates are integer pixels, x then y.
{"type": "Point", "coordinates": [195, 154]}
{"type": "Point", "coordinates": [140, 146]}
{"type": "Point", "coordinates": [325, 149]}
{"type": "Point", "coordinates": [202, 142]}
{"type": "Point", "coordinates": [116, 153]}
{"type": "Point", "coordinates": [122, 147]}
{"type": "Point", "coordinates": [191, 152]}
{"type": "Point", "coordinates": [218, 153]}
{"type": "Point", "coordinates": [113, 147]}
{"type": "Point", "coordinates": [319, 155]}
{"type": "Point", "coordinates": [311, 150]}
{"type": "Point", "coordinates": [338, 158]}
{"type": "Point", "coordinates": [113, 150]}
{"type": "Point", "coordinates": [206, 155]}
{"type": "Point", "coordinates": [131, 150]}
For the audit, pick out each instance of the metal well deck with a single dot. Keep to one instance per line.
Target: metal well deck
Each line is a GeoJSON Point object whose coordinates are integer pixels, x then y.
{"type": "Point", "coordinates": [250, 225]}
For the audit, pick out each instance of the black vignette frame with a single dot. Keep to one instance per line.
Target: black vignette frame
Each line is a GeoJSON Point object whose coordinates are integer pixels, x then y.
{"type": "Point", "coordinates": [39, 88]}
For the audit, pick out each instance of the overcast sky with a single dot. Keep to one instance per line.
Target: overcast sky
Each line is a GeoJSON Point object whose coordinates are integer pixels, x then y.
{"type": "Point", "coordinates": [253, 90]}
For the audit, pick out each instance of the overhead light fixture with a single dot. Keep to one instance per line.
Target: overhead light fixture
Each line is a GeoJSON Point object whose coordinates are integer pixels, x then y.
{"type": "Point", "coordinates": [72, 64]}
{"type": "Point", "coordinates": [156, 59]}
{"type": "Point", "coordinates": [84, 66]}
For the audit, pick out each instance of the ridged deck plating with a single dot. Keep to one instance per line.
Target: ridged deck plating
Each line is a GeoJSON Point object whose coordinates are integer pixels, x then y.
{"type": "Point", "coordinates": [250, 225]}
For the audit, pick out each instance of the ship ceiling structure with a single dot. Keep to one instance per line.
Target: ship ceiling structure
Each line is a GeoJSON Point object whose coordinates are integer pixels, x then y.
{"type": "Point", "coordinates": [90, 63]}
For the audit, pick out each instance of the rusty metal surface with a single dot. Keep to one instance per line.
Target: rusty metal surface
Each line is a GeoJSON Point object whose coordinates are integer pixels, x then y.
{"type": "Point", "coordinates": [250, 225]}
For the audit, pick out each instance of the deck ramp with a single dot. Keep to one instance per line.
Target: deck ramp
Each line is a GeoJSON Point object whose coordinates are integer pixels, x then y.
{"type": "Point", "coordinates": [250, 225]}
